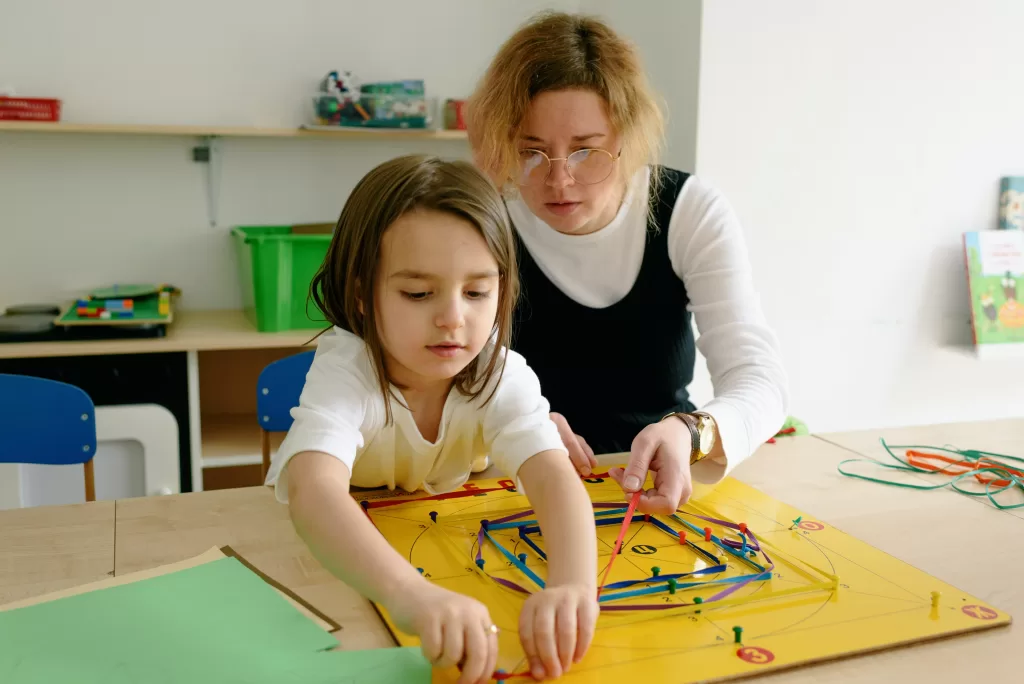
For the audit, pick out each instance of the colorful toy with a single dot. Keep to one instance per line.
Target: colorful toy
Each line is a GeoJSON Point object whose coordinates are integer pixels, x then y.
{"type": "Point", "coordinates": [127, 304]}
{"type": "Point", "coordinates": [343, 101]}
{"type": "Point", "coordinates": [724, 599]}
{"type": "Point", "coordinates": [106, 309]}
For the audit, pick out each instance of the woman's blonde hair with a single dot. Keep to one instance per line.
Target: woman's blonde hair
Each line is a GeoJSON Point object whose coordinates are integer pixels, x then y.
{"type": "Point", "coordinates": [559, 51]}
{"type": "Point", "coordinates": [343, 286]}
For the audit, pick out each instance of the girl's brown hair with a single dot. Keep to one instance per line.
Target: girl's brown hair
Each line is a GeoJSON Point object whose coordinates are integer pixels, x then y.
{"type": "Point", "coordinates": [343, 286]}
{"type": "Point", "coordinates": [559, 51]}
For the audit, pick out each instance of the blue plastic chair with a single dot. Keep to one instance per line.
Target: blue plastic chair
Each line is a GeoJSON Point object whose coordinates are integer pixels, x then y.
{"type": "Point", "coordinates": [48, 423]}
{"type": "Point", "coordinates": [277, 393]}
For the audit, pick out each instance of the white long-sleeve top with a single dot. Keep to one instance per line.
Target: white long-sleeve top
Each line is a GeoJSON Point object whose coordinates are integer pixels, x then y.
{"type": "Point", "coordinates": [708, 253]}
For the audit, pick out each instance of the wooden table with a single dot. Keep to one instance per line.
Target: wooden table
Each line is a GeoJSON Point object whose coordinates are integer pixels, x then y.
{"type": "Point", "coordinates": [1004, 436]}
{"type": "Point", "coordinates": [55, 547]}
{"type": "Point", "coordinates": [968, 545]}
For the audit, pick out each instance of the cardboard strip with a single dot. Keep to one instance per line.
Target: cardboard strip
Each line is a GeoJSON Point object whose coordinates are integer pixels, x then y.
{"type": "Point", "coordinates": [300, 603]}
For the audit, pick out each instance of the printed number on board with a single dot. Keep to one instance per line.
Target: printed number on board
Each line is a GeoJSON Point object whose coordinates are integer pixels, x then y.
{"type": "Point", "coordinates": [979, 612]}
{"type": "Point", "coordinates": [756, 655]}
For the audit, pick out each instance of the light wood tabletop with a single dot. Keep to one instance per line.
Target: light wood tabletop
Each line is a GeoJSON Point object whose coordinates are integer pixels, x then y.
{"type": "Point", "coordinates": [1005, 436]}
{"type": "Point", "coordinates": [54, 547]}
{"type": "Point", "coordinates": [945, 534]}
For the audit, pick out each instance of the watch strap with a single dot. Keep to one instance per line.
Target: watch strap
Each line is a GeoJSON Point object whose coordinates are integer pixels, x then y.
{"type": "Point", "coordinates": [695, 454]}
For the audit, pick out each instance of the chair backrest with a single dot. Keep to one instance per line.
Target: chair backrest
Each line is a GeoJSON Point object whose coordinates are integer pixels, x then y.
{"type": "Point", "coordinates": [45, 421]}
{"type": "Point", "coordinates": [278, 389]}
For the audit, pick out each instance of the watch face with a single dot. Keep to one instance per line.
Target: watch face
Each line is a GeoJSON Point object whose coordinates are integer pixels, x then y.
{"type": "Point", "coordinates": [707, 438]}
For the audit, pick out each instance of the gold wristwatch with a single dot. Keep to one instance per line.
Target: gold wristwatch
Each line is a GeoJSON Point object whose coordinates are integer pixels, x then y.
{"type": "Point", "coordinates": [703, 432]}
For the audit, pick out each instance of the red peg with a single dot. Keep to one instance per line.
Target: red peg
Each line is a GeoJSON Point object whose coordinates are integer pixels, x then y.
{"type": "Point", "coordinates": [743, 528]}
{"type": "Point", "coordinates": [707, 534]}
{"type": "Point", "coordinates": [682, 537]}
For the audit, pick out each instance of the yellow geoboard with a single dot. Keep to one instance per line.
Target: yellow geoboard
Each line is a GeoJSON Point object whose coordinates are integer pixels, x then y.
{"type": "Point", "coordinates": [751, 586]}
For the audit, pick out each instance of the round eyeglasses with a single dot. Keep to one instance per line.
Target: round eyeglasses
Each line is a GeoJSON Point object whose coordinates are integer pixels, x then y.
{"type": "Point", "coordinates": [587, 167]}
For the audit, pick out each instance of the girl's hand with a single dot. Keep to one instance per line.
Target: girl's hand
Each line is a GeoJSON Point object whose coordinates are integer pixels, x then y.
{"type": "Point", "coordinates": [580, 453]}
{"type": "Point", "coordinates": [556, 627]}
{"type": "Point", "coordinates": [453, 630]}
{"type": "Point", "coordinates": [664, 448]}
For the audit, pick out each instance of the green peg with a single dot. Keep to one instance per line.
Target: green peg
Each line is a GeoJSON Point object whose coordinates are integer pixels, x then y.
{"type": "Point", "coordinates": [655, 570]}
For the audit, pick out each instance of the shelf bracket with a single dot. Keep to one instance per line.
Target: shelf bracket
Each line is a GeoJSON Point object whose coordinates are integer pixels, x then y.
{"type": "Point", "coordinates": [208, 152]}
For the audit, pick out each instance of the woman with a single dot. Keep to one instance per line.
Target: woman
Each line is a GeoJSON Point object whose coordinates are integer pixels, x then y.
{"type": "Point", "coordinates": [616, 254]}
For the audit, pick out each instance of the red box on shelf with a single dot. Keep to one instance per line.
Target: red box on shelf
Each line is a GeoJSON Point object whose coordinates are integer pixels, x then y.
{"type": "Point", "coordinates": [29, 109]}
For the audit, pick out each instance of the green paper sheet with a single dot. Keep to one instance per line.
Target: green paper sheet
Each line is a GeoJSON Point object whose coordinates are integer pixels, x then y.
{"type": "Point", "coordinates": [214, 622]}
{"type": "Point", "coordinates": [375, 666]}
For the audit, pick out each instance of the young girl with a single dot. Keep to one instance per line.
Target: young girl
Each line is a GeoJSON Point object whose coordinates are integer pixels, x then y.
{"type": "Point", "coordinates": [617, 253]}
{"type": "Point", "coordinates": [413, 387]}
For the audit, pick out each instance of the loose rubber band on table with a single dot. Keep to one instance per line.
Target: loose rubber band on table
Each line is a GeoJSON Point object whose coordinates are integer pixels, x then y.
{"type": "Point", "coordinates": [972, 463]}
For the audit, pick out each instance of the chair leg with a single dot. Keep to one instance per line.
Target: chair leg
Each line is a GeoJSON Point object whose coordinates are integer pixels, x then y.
{"type": "Point", "coordinates": [90, 481]}
{"type": "Point", "coordinates": [265, 445]}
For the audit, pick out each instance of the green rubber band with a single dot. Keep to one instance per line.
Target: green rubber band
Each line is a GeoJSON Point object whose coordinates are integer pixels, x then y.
{"type": "Point", "coordinates": [989, 462]}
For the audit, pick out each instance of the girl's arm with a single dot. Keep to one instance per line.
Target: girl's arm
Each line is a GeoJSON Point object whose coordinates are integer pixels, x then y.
{"type": "Point", "coordinates": [338, 532]}
{"type": "Point", "coordinates": [566, 518]}
{"type": "Point", "coordinates": [452, 628]}
{"type": "Point", "coordinates": [557, 625]}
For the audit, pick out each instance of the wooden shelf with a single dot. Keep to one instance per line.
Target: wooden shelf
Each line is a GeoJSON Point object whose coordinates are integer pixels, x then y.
{"type": "Point", "coordinates": [231, 131]}
{"type": "Point", "coordinates": [190, 331]}
{"type": "Point", "coordinates": [233, 440]}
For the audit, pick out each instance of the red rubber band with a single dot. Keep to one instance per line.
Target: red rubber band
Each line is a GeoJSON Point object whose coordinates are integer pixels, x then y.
{"type": "Point", "coordinates": [626, 522]}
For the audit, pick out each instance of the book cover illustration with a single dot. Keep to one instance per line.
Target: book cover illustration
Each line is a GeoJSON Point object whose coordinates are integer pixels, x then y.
{"type": "Point", "coordinates": [995, 268]}
{"type": "Point", "coordinates": [1011, 203]}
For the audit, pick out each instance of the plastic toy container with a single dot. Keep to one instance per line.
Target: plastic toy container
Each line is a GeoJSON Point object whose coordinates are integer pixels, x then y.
{"type": "Point", "coordinates": [277, 266]}
{"type": "Point", "coordinates": [399, 104]}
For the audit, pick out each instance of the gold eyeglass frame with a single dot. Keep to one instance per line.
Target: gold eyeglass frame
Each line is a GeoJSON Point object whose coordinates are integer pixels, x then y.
{"type": "Point", "coordinates": [551, 160]}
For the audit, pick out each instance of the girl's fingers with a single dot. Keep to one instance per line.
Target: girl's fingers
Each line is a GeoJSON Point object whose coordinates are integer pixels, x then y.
{"type": "Point", "coordinates": [586, 619]}
{"type": "Point", "coordinates": [492, 655]}
{"type": "Point", "coordinates": [565, 624]}
{"type": "Point", "coordinates": [529, 641]}
{"type": "Point", "coordinates": [544, 636]}
{"type": "Point", "coordinates": [453, 644]}
{"type": "Point", "coordinates": [431, 641]}
{"type": "Point", "coordinates": [475, 640]}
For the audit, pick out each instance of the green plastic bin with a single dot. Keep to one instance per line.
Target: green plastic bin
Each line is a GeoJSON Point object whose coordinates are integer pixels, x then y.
{"type": "Point", "coordinates": [277, 268]}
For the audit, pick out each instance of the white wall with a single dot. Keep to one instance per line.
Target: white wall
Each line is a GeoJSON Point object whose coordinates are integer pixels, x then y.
{"type": "Point", "coordinates": [667, 33]}
{"type": "Point", "coordinates": [81, 211]}
{"type": "Point", "coordinates": [857, 142]}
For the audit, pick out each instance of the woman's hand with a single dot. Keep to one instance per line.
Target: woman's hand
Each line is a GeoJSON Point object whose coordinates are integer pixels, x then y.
{"type": "Point", "coordinates": [665, 449]}
{"type": "Point", "coordinates": [453, 629]}
{"type": "Point", "coordinates": [580, 453]}
{"type": "Point", "coordinates": [556, 627]}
